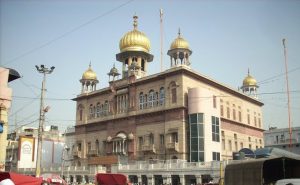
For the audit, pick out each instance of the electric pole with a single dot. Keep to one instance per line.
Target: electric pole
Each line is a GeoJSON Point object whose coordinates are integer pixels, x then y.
{"type": "Point", "coordinates": [44, 70]}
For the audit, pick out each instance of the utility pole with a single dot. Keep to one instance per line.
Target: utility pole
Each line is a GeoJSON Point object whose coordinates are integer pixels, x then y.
{"type": "Point", "coordinates": [288, 92]}
{"type": "Point", "coordinates": [44, 70]}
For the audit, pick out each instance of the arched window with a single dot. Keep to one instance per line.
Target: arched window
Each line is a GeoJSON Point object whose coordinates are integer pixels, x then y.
{"type": "Point", "coordinates": [94, 111]}
{"type": "Point", "coordinates": [156, 102]}
{"type": "Point", "coordinates": [80, 111]}
{"type": "Point", "coordinates": [91, 111]}
{"type": "Point", "coordinates": [80, 115]}
{"type": "Point", "coordinates": [106, 107]}
{"type": "Point", "coordinates": [173, 92]}
{"type": "Point", "coordinates": [141, 100]}
{"type": "Point", "coordinates": [151, 98]}
{"type": "Point", "coordinates": [102, 109]}
{"type": "Point", "coordinates": [162, 96]}
{"type": "Point", "coordinates": [145, 101]}
{"type": "Point", "coordinates": [143, 65]}
{"type": "Point", "coordinates": [98, 110]}
{"type": "Point", "coordinates": [97, 146]}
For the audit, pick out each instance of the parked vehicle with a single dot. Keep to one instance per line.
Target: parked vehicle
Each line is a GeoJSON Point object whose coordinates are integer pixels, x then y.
{"type": "Point", "coordinates": [288, 182]}
{"type": "Point", "coordinates": [261, 171]}
{"type": "Point", "coordinates": [19, 179]}
{"type": "Point", "coordinates": [50, 178]}
{"type": "Point", "coordinates": [110, 178]}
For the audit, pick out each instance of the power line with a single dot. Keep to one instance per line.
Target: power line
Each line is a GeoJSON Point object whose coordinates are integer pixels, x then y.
{"type": "Point", "coordinates": [29, 86]}
{"type": "Point", "coordinates": [55, 99]}
{"type": "Point", "coordinates": [68, 99]}
{"type": "Point", "coordinates": [26, 118]}
{"type": "Point", "coordinates": [26, 124]}
{"type": "Point", "coordinates": [66, 33]}
{"type": "Point", "coordinates": [273, 77]}
{"type": "Point", "coordinates": [23, 107]}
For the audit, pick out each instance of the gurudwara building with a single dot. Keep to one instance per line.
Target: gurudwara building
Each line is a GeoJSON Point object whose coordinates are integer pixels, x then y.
{"type": "Point", "coordinates": [177, 114]}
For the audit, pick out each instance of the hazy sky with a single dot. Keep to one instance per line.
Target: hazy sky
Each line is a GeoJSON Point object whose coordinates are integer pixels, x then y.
{"type": "Point", "coordinates": [226, 37]}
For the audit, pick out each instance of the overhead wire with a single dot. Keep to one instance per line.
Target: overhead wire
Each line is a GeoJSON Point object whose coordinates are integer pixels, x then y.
{"type": "Point", "coordinates": [24, 106]}
{"type": "Point", "coordinates": [278, 75]}
{"type": "Point", "coordinates": [67, 33]}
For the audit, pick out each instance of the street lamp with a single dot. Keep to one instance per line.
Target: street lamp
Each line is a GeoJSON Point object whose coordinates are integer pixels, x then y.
{"type": "Point", "coordinates": [44, 70]}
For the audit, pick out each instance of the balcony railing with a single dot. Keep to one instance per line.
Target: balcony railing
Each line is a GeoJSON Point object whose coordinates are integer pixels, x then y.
{"type": "Point", "coordinates": [173, 146]}
{"type": "Point", "coordinates": [149, 148]}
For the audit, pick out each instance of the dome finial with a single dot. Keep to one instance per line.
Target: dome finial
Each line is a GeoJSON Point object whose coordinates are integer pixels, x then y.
{"type": "Point", "coordinates": [90, 65]}
{"type": "Point", "coordinates": [248, 72]}
{"type": "Point", "coordinates": [135, 24]}
{"type": "Point", "coordinates": [179, 33]}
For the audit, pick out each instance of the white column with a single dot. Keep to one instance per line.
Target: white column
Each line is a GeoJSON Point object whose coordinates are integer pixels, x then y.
{"type": "Point", "coordinates": [83, 179]}
{"type": "Point", "coordinates": [182, 179]}
{"type": "Point", "coordinates": [167, 179]}
{"type": "Point", "coordinates": [150, 179]}
{"type": "Point", "coordinates": [198, 179]}
{"type": "Point", "coordinates": [139, 179]}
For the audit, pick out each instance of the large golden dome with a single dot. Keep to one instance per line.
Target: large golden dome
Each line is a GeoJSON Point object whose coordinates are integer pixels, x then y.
{"type": "Point", "coordinates": [249, 81]}
{"type": "Point", "coordinates": [134, 40]}
{"type": "Point", "coordinates": [179, 43]}
{"type": "Point", "coordinates": [89, 74]}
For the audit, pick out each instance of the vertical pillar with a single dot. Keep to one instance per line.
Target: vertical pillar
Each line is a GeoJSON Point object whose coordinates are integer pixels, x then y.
{"type": "Point", "coordinates": [129, 62]}
{"type": "Point", "coordinates": [123, 69]}
{"type": "Point", "coordinates": [139, 62]}
{"type": "Point", "coordinates": [139, 179]}
{"type": "Point", "coordinates": [150, 179]}
{"type": "Point", "coordinates": [83, 179]}
{"type": "Point", "coordinates": [198, 179]}
{"type": "Point", "coordinates": [75, 178]}
{"type": "Point", "coordinates": [145, 67]}
{"type": "Point", "coordinates": [167, 179]}
{"type": "Point", "coordinates": [182, 179]}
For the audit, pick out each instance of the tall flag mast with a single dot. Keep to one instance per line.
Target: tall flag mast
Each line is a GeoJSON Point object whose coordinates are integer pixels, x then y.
{"type": "Point", "coordinates": [161, 39]}
{"type": "Point", "coordinates": [288, 92]}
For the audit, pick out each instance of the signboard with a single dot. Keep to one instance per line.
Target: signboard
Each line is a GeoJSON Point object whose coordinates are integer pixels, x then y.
{"type": "Point", "coordinates": [26, 152]}
{"type": "Point", "coordinates": [104, 160]}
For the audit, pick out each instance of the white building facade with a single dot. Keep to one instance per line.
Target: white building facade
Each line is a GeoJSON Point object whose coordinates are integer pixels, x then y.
{"type": "Point", "coordinates": [280, 138]}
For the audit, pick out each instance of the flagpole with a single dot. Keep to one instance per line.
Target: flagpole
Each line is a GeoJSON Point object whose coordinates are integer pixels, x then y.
{"type": "Point", "coordinates": [161, 39]}
{"type": "Point", "coordinates": [288, 92]}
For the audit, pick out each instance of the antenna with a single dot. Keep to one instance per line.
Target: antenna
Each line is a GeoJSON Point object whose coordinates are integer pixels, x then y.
{"type": "Point", "coordinates": [161, 39]}
{"type": "Point", "coordinates": [288, 92]}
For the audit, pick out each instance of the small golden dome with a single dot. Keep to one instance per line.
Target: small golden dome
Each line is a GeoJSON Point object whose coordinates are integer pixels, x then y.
{"type": "Point", "coordinates": [179, 43]}
{"type": "Point", "coordinates": [249, 81]}
{"type": "Point", "coordinates": [113, 71]}
{"type": "Point", "coordinates": [134, 40]}
{"type": "Point", "coordinates": [89, 74]}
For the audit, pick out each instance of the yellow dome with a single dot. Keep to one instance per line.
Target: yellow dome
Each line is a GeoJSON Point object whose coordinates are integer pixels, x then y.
{"type": "Point", "coordinates": [134, 40]}
{"type": "Point", "coordinates": [179, 43]}
{"type": "Point", "coordinates": [249, 81]}
{"type": "Point", "coordinates": [89, 74]}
